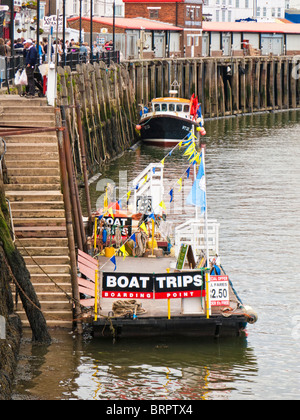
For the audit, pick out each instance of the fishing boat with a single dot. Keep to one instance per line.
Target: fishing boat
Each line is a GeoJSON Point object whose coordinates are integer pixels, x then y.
{"type": "Point", "coordinates": [149, 277]}
{"type": "Point", "coordinates": [167, 120]}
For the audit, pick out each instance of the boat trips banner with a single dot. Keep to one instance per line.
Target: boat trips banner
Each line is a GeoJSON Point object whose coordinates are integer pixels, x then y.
{"type": "Point", "coordinates": [153, 286]}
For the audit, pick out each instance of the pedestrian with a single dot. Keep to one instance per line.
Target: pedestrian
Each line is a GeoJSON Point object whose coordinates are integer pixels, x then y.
{"type": "Point", "coordinates": [2, 47]}
{"type": "Point", "coordinates": [31, 61]}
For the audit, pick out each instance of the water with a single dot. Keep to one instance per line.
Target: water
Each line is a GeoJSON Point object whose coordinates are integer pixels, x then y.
{"type": "Point", "coordinates": [253, 187]}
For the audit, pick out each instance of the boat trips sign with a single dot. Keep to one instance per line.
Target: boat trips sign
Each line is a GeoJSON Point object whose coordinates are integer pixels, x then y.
{"type": "Point", "coordinates": [149, 286]}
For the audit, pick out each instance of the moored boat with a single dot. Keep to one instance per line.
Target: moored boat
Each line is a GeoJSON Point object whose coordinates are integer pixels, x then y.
{"type": "Point", "coordinates": [168, 120]}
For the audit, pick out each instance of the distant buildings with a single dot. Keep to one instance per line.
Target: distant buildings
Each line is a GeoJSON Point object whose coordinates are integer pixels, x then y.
{"type": "Point", "coordinates": [233, 10]}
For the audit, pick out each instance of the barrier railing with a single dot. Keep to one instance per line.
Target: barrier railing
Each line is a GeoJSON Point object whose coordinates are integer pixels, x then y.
{"type": "Point", "coordinates": [9, 65]}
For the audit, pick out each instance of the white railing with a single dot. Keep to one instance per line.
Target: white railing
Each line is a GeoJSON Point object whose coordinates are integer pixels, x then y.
{"type": "Point", "coordinates": [193, 233]}
{"type": "Point", "coordinates": [148, 190]}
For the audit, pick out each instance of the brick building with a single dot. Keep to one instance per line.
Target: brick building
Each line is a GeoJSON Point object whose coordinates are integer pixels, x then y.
{"type": "Point", "coordinates": [186, 14]}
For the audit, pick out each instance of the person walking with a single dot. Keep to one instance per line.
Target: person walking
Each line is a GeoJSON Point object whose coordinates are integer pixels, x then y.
{"type": "Point", "coordinates": [30, 60]}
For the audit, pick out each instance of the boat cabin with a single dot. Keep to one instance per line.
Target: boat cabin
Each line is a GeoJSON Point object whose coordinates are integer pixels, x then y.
{"type": "Point", "coordinates": [171, 105]}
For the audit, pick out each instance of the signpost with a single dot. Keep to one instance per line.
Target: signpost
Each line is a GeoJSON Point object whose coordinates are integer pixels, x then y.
{"type": "Point", "coordinates": [188, 284]}
{"type": "Point", "coordinates": [219, 291]}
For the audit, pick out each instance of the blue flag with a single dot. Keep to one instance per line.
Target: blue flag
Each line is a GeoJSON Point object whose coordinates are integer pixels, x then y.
{"type": "Point", "coordinates": [197, 196]}
{"type": "Point", "coordinates": [113, 260]}
{"type": "Point", "coordinates": [171, 195]}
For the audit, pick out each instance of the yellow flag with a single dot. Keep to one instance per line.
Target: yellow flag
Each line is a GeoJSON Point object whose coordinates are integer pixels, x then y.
{"type": "Point", "coordinates": [163, 161]}
{"type": "Point", "coordinates": [145, 179]}
{"type": "Point", "coordinates": [190, 150]}
{"type": "Point", "coordinates": [162, 205]}
{"type": "Point", "coordinates": [179, 182]}
{"type": "Point", "coordinates": [110, 211]}
{"type": "Point", "coordinates": [180, 144]}
{"type": "Point", "coordinates": [124, 252]}
{"type": "Point", "coordinates": [143, 226]}
{"type": "Point", "coordinates": [128, 195]}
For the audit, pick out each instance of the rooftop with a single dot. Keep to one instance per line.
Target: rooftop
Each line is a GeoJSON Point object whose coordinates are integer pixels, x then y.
{"type": "Point", "coordinates": [280, 28]}
{"type": "Point", "coordinates": [132, 23]}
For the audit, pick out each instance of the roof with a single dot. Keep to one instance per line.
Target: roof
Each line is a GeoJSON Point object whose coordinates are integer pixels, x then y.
{"type": "Point", "coordinates": [132, 23]}
{"type": "Point", "coordinates": [171, 99]}
{"type": "Point", "coordinates": [263, 27]}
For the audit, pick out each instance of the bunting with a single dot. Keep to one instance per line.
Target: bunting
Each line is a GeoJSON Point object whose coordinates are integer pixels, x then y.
{"type": "Point", "coordinates": [143, 227]}
{"type": "Point", "coordinates": [113, 260]}
{"type": "Point", "coordinates": [179, 182]}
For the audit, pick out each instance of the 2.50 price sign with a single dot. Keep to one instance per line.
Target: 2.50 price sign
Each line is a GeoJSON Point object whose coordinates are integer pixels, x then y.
{"type": "Point", "coordinates": [219, 291]}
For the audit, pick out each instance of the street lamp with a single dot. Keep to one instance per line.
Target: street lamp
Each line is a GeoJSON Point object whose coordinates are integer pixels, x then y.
{"type": "Point", "coordinates": [80, 16]}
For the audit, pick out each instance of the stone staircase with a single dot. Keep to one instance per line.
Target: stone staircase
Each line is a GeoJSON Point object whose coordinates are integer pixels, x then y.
{"type": "Point", "coordinates": [36, 200]}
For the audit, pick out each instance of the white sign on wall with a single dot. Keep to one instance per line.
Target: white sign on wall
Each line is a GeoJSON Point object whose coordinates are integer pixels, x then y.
{"type": "Point", "coordinates": [51, 21]}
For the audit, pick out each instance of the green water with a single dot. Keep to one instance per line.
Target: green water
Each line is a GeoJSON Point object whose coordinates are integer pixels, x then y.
{"type": "Point", "coordinates": [253, 190]}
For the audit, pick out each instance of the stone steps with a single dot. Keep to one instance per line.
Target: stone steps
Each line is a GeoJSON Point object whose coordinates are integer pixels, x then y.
{"type": "Point", "coordinates": [34, 192]}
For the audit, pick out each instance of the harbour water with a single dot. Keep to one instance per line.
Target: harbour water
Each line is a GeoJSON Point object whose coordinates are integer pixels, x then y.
{"type": "Point", "coordinates": [253, 190]}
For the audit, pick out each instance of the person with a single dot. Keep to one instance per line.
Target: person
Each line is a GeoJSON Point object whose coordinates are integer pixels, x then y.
{"type": "Point", "coordinates": [8, 47]}
{"type": "Point", "coordinates": [2, 47]}
{"type": "Point", "coordinates": [109, 46]}
{"type": "Point", "coordinates": [31, 61]}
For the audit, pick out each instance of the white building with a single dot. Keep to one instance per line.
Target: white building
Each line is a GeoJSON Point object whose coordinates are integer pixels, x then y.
{"type": "Point", "coordinates": [233, 10]}
{"type": "Point", "coordinates": [292, 4]}
{"type": "Point", "coordinates": [101, 8]}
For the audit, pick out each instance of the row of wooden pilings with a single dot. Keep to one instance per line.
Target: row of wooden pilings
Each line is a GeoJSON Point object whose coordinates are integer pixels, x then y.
{"type": "Point", "coordinates": [110, 98]}
{"type": "Point", "coordinates": [106, 99]}
{"type": "Point", "coordinates": [224, 86]}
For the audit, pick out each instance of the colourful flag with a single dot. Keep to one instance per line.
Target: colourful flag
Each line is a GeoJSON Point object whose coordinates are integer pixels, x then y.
{"type": "Point", "coordinates": [110, 211]}
{"type": "Point", "coordinates": [163, 161]}
{"type": "Point", "coordinates": [197, 196]}
{"type": "Point", "coordinates": [179, 182]}
{"type": "Point", "coordinates": [113, 260]}
{"type": "Point", "coordinates": [124, 252]}
{"type": "Point", "coordinates": [171, 195]}
{"type": "Point", "coordinates": [162, 205]}
{"type": "Point", "coordinates": [143, 226]}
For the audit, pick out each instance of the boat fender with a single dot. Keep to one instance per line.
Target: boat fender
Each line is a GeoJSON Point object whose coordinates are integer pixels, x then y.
{"type": "Point", "coordinates": [138, 127]}
{"type": "Point", "coordinates": [252, 315]}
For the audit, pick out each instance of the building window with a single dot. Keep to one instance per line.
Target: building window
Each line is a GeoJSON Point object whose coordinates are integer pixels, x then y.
{"type": "Point", "coordinates": [153, 13]}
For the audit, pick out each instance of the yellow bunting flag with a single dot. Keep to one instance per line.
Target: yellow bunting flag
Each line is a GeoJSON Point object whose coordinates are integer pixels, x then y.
{"type": "Point", "coordinates": [110, 211]}
{"type": "Point", "coordinates": [128, 195]}
{"type": "Point", "coordinates": [180, 144]}
{"type": "Point", "coordinates": [145, 179]}
{"type": "Point", "coordinates": [124, 252]}
{"type": "Point", "coordinates": [163, 161]}
{"type": "Point", "coordinates": [179, 182]}
{"type": "Point", "coordinates": [143, 226]}
{"type": "Point", "coordinates": [162, 205]}
{"type": "Point", "coordinates": [190, 150]}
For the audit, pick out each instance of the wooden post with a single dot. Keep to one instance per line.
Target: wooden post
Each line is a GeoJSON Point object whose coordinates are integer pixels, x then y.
{"type": "Point", "coordinates": [71, 185]}
{"type": "Point", "coordinates": [279, 83]}
{"type": "Point", "coordinates": [69, 223]}
{"type": "Point", "coordinates": [83, 158]}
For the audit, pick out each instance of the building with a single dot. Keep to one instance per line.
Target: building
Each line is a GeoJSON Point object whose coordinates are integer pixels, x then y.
{"type": "Point", "coordinates": [234, 10]}
{"type": "Point", "coordinates": [186, 14]}
{"type": "Point", "coordinates": [250, 38]}
{"type": "Point", "coordinates": [135, 38]}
